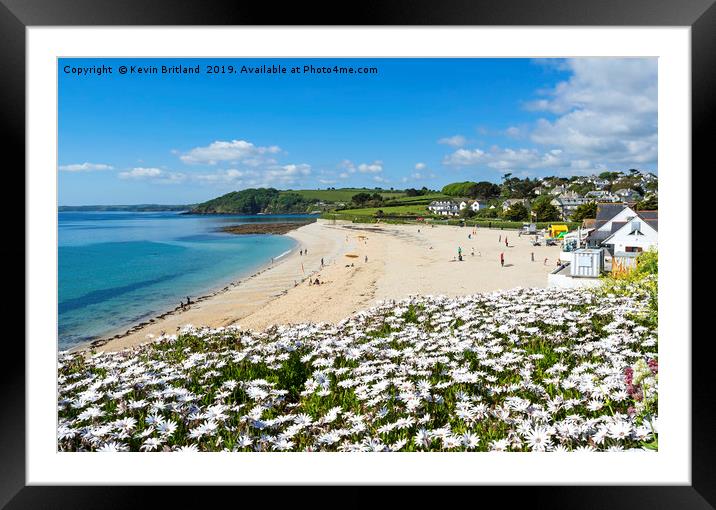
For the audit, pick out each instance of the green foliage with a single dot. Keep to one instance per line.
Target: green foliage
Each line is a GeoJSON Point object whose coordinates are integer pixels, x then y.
{"type": "Point", "coordinates": [588, 210]}
{"type": "Point", "coordinates": [293, 375]}
{"type": "Point", "coordinates": [643, 280]}
{"type": "Point", "coordinates": [516, 212]}
{"type": "Point", "coordinates": [254, 201]}
{"type": "Point", "coordinates": [545, 211]}
{"type": "Point", "coordinates": [459, 189]}
{"type": "Point", "coordinates": [487, 213]}
{"type": "Point", "coordinates": [467, 213]}
{"type": "Point", "coordinates": [360, 198]}
{"type": "Point", "coordinates": [609, 175]}
{"type": "Point", "coordinates": [650, 203]}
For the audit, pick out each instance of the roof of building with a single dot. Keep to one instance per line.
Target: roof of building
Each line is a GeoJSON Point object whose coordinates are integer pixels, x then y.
{"type": "Point", "coordinates": [606, 212]}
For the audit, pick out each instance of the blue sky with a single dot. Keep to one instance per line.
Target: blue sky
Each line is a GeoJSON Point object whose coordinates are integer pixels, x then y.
{"type": "Point", "coordinates": [182, 138]}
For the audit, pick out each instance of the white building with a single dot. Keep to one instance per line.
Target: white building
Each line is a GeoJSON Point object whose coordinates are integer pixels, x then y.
{"type": "Point", "coordinates": [603, 196]}
{"type": "Point", "coordinates": [444, 208]}
{"type": "Point", "coordinates": [628, 195]}
{"type": "Point", "coordinates": [635, 235]}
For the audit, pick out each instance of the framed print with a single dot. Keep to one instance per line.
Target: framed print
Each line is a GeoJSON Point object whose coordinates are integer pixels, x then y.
{"type": "Point", "coordinates": [419, 249]}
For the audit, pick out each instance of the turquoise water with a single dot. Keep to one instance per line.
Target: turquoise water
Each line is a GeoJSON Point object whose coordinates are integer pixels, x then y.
{"type": "Point", "coordinates": [118, 268]}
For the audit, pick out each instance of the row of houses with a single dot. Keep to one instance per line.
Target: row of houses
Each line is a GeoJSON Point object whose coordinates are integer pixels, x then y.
{"type": "Point", "coordinates": [452, 207]}
{"type": "Point", "coordinates": [566, 202]}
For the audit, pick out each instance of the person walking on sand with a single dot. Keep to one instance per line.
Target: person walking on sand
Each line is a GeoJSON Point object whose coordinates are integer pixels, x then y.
{"type": "Point", "coordinates": [545, 262]}
{"type": "Point", "coordinates": [472, 251]}
{"type": "Point", "coordinates": [506, 245]}
{"type": "Point", "coordinates": [499, 240]}
{"type": "Point", "coordinates": [366, 259]}
{"type": "Point", "coordinates": [502, 259]}
{"type": "Point", "coordinates": [533, 256]}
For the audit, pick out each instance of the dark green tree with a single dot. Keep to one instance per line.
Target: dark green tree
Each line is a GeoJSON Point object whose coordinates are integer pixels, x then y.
{"type": "Point", "coordinates": [360, 198]}
{"type": "Point", "coordinates": [650, 203]}
{"type": "Point", "coordinates": [544, 210]}
{"type": "Point", "coordinates": [516, 212]}
{"type": "Point", "coordinates": [588, 210]}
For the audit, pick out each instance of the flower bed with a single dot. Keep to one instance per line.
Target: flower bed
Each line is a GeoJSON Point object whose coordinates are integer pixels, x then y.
{"type": "Point", "coordinates": [521, 370]}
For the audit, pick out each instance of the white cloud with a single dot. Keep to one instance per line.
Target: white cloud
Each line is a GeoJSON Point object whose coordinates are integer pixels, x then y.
{"type": "Point", "coordinates": [153, 174]}
{"type": "Point", "coordinates": [502, 159]}
{"type": "Point", "coordinates": [606, 111]}
{"type": "Point", "coordinates": [604, 116]}
{"type": "Point", "coordinates": [286, 175]}
{"type": "Point", "coordinates": [232, 151]}
{"type": "Point", "coordinates": [85, 167]}
{"type": "Point", "coordinates": [371, 168]}
{"type": "Point", "coordinates": [420, 166]}
{"type": "Point", "coordinates": [349, 167]}
{"type": "Point", "coordinates": [380, 178]}
{"type": "Point", "coordinates": [464, 157]}
{"type": "Point", "coordinates": [453, 141]}
{"type": "Point", "coordinates": [140, 173]}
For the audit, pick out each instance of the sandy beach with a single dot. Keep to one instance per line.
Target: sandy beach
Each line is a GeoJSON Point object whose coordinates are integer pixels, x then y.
{"type": "Point", "coordinates": [362, 263]}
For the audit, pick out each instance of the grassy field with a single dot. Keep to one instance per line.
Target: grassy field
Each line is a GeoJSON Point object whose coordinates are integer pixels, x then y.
{"type": "Point", "coordinates": [342, 194]}
{"type": "Point", "coordinates": [400, 210]}
{"type": "Point", "coordinates": [418, 200]}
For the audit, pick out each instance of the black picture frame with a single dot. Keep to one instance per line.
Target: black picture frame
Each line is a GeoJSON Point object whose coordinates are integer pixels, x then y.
{"type": "Point", "coordinates": [700, 15]}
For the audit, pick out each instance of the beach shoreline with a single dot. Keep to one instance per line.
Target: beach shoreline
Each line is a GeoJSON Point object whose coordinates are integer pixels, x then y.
{"type": "Point", "coordinates": [213, 291]}
{"type": "Point", "coordinates": [362, 264]}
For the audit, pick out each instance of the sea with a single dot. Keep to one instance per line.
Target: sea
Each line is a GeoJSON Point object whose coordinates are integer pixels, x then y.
{"type": "Point", "coordinates": [116, 269]}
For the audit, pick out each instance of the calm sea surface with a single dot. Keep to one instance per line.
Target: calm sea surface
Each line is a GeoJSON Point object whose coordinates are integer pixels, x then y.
{"type": "Point", "coordinates": [118, 268]}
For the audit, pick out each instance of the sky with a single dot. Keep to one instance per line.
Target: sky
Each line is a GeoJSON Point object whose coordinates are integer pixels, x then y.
{"type": "Point", "coordinates": [173, 138]}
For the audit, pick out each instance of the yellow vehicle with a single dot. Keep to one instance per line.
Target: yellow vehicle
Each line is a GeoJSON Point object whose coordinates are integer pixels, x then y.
{"type": "Point", "coordinates": [556, 229]}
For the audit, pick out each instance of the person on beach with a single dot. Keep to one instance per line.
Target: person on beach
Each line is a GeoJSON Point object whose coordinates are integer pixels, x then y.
{"type": "Point", "coordinates": [545, 262]}
{"type": "Point", "coordinates": [366, 259]}
{"type": "Point", "coordinates": [305, 251]}
{"type": "Point", "coordinates": [533, 256]}
{"type": "Point", "coordinates": [188, 301]}
{"type": "Point", "coordinates": [502, 259]}
{"type": "Point", "coordinates": [321, 261]}
{"type": "Point", "coordinates": [472, 251]}
{"type": "Point", "coordinates": [506, 245]}
{"type": "Point", "coordinates": [469, 236]}
{"type": "Point", "coordinates": [499, 240]}
{"type": "Point", "coordinates": [300, 252]}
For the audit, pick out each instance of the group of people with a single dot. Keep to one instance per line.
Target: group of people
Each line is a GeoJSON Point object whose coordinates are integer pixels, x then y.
{"type": "Point", "coordinates": [303, 252]}
{"type": "Point", "coordinates": [182, 304]}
